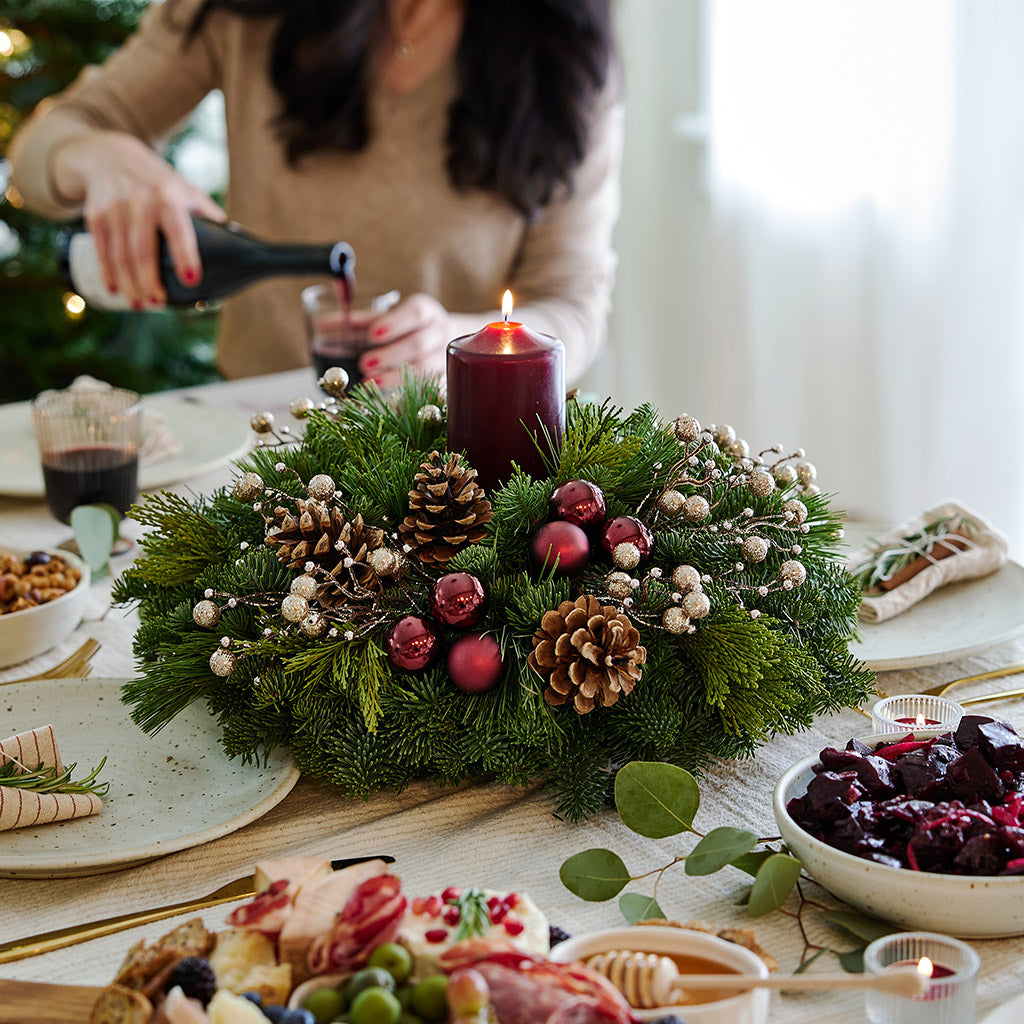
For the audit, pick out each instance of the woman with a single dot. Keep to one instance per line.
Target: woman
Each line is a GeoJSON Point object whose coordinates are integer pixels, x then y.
{"type": "Point", "coordinates": [460, 147]}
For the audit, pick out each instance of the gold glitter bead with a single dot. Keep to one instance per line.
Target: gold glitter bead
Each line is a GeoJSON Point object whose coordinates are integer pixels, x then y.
{"type": "Point", "coordinates": [675, 620]}
{"type": "Point", "coordinates": [294, 608]}
{"type": "Point", "coordinates": [262, 422]}
{"type": "Point", "coordinates": [686, 428]}
{"type": "Point", "coordinates": [797, 510]}
{"type": "Point", "coordinates": [760, 483]}
{"type": "Point", "coordinates": [206, 614]}
{"type": "Point", "coordinates": [619, 584]}
{"type": "Point", "coordinates": [696, 509]}
{"type": "Point", "coordinates": [626, 555]}
{"type": "Point", "coordinates": [755, 549]}
{"type": "Point", "coordinates": [696, 604]}
{"type": "Point", "coordinates": [300, 408]}
{"type": "Point", "coordinates": [321, 487]}
{"type": "Point", "coordinates": [671, 502]}
{"type": "Point", "coordinates": [222, 662]}
{"type": "Point", "coordinates": [685, 578]}
{"type": "Point", "coordinates": [334, 381]}
{"type": "Point", "coordinates": [248, 487]}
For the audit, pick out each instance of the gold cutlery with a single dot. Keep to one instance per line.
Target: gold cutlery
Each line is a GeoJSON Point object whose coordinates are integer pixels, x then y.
{"type": "Point", "coordinates": [75, 664]}
{"type": "Point", "coordinates": [982, 698]}
{"type": "Point", "coordinates": [238, 889]}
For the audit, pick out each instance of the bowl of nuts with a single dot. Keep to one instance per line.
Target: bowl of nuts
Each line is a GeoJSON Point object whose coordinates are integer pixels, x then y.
{"type": "Point", "coordinates": [42, 596]}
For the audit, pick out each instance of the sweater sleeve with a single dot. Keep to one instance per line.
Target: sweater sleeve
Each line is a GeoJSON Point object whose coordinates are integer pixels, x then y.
{"type": "Point", "coordinates": [145, 88]}
{"type": "Point", "coordinates": [564, 277]}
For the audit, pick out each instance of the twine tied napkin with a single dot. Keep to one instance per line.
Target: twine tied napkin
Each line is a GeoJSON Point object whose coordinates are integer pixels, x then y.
{"type": "Point", "coordinates": [20, 808]}
{"type": "Point", "coordinates": [157, 440]}
{"type": "Point", "coordinates": [973, 549]}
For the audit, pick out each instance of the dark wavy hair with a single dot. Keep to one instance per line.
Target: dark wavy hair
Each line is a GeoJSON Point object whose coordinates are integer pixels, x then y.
{"type": "Point", "coordinates": [528, 72]}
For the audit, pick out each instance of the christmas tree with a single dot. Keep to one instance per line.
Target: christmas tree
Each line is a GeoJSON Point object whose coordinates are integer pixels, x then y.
{"type": "Point", "coordinates": [49, 337]}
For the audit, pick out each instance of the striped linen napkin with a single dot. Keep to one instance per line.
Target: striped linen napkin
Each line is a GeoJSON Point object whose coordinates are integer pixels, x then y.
{"type": "Point", "coordinates": [20, 808]}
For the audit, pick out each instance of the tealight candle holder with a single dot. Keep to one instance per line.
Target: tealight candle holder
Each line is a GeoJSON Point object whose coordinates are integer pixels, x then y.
{"type": "Point", "coordinates": [915, 711]}
{"type": "Point", "coordinates": [952, 966]}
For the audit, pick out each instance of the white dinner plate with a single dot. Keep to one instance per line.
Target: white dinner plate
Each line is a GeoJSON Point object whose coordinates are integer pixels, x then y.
{"type": "Point", "coordinates": [951, 623]}
{"type": "Point", "coordinates": [209, 436]}
{"type": "Point", "coordinates": [169, 791]}
{"type": "Point", "coordinates": [1009, 1013]}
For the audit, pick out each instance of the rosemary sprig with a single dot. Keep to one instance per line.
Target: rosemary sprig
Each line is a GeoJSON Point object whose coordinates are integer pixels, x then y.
{"type": "Point", "coordinates": [475, 918]}
{"type": "Point", "coordinates": [886, 560]}
{"type": "Point", "coordinates": [47, 780]}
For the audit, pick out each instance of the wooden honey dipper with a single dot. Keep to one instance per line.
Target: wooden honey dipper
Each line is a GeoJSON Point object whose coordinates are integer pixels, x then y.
{"type": "Point", "coordinates": [648, 980]}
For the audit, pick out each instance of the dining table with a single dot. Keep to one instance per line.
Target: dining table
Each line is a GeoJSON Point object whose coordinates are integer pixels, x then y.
{"type": "Point", "coordinates": [476, 834]}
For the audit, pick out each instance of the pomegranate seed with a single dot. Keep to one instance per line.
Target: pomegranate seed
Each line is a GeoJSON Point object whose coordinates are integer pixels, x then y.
{"type": "Point", "coordinates": [419, 905]}
{"type": "Point", "coordinates": [511, 900]}
{"type": "Point", "coordinates": [493, 902]}
{"type": "Point", "coordinates": [453, 892]}
{"type": "Point", "coordinates": [499, 913]}
{"type": "Point", "coordinates": [452, 916]}
{"type": "Point", "coordinates": [513, 925]}
{"type": "Point", "coordinates": [436, 935]}
{"type": "Point", "coordinates": [434, 906]}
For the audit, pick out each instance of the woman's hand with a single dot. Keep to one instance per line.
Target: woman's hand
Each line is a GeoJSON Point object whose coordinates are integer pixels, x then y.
{"type": "Point", "coordinates": [413, 334]}
{"type": "Point", "coordinates": [129, 193]}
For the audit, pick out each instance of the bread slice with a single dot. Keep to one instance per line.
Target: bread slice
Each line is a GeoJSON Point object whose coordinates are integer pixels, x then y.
{"type": "Point", "coordinates": [119, 1005]}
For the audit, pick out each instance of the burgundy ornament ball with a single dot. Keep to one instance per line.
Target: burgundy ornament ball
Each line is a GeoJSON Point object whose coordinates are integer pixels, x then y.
{"type": "Point", "coordinates": [412, 643]}
{"type": "Point", "coordinates": [458, 600]}
{"type": "Point", "coordinates": [564, 541]}
{"type": "Point", "coordinates": [579, 502]}
{"type": "Point", "coordinates": [627, 530]}
{"type": "Point", "coordinates": [474, 663]}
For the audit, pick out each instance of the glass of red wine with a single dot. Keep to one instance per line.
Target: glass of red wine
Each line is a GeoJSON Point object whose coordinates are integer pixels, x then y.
{"type": "Point", "coordinates": [89, 447]}
{"type": "Point", "coordinates": [338, 333]}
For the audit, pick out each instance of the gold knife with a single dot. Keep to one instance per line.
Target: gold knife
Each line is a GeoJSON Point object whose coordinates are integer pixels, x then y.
{"type": "Point", "coordinates": [47, 942]}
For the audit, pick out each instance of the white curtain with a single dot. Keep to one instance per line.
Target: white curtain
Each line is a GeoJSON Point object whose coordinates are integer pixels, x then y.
{"type": "Point", "coordinates": [851, 276]}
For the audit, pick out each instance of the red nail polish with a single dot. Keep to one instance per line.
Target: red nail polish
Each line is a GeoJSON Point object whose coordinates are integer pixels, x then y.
{"type": "Point", "coordinates": [379, 332]}
{"type": "Point", "coordinates": [191, 276]}
{"type": "Point", "coordinates": [112, 288]}
{"type": "Point", "coordinates": [371, 363]}
{"type": "Point", "coordinates": [155, 300]}
{"type": "Point", "coordinates": [137, 305]}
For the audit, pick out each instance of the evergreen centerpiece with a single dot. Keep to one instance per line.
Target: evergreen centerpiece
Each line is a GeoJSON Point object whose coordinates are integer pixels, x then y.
{"type": "Point", "coordinates": [358, 597]}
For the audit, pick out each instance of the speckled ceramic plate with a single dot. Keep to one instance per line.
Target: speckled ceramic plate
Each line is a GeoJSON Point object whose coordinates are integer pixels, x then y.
{"type": "Point", "coordinates": [953, 622]}
{"type": "Point", "coordinates": [1009, 1013]}
{"type": "Point", "coordinates": [168, 792]}
{"type": "Point", "coordinates": [210, 437]}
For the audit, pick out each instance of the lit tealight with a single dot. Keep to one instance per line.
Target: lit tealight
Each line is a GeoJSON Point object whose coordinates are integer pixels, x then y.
{"type": "Point", "coordinates": [915, 711]}
{"type": "Point", "coordinates": [925, 967]}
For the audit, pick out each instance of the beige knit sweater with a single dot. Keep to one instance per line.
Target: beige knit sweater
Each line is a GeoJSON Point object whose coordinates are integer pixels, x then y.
{"type": "Point", "coordinates": [392, 202]}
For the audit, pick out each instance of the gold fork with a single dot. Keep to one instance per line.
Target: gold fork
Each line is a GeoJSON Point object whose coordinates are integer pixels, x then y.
{"type": "Point", "coordinates": [983, 698]}
{"type": "Point", "coordinates": [75, 664]}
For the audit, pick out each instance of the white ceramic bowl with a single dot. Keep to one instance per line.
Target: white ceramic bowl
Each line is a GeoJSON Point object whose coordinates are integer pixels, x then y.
{"type": "Point", "coordinates": [749, 1007]}
{"type": "Point", "coordinates": [970, 906]}
{"type": "Point", "coordinates": [31, 632]}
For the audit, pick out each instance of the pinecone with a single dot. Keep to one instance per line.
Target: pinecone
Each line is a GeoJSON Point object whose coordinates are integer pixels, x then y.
{"type": "Point", "coordinates": [322, 535]}
{"type": "Point", "coordinates": [589, 653]}
{"type": "Point", "coordinates": [447, 510]}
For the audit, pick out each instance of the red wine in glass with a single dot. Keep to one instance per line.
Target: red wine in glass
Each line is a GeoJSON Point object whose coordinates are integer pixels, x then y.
{"type": "Point", "coordinates": [90, 475]}
{"type": "Point", "coordinates": [339, 339]}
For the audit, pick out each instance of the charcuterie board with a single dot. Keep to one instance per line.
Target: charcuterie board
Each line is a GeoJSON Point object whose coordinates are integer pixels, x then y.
{"type": "Point", "coordinates": [43, 1003]}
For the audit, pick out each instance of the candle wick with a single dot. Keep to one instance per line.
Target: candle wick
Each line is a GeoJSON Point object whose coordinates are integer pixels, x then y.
{"type": "Point", "coordinates": [506, 318]}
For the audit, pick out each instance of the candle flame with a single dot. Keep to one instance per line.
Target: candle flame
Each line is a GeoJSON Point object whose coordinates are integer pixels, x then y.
{"type": "Point", "coordinates": [506, 304]}
{"type": "Point", "coordinates": [920, 722]}
{"type": "Point", "coordinates": [924, 967]}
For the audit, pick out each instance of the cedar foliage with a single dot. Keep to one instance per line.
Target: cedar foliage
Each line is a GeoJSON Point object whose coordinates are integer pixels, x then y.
{"type": "Point", "coordinates": [353, 719]}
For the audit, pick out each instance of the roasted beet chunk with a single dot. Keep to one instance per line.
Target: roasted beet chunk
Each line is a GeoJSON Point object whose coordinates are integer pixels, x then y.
{"type": "Point", "coordinates": [973, 778]}
{"type": "Point", "coordinates": [829, 796]}
{"type": "Point", "coordinates": [981, 855]}
{"type": "Point", "coordinates": [967, 734]}
{"type": "Point", "coordinates": [873, 773]}
{"type": "Point", "coordinates": [923, 767]}
{"type": "Point", "coordinates": [858, 747]}
{"type": "Point", "coordinates": [1001, 746]}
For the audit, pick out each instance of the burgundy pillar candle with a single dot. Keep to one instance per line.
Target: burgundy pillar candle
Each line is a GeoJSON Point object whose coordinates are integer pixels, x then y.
{"type": "Point", "coordinates": [505, 383]}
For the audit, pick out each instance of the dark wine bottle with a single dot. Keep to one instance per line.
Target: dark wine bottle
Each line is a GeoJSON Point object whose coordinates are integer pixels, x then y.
{"type": "Point", "coordinates": [231, 259]}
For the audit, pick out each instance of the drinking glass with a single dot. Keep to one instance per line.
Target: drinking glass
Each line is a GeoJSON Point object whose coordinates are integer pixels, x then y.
{"type": "Point", "coordinates": [89, 447]}
{"type": "Point", "coordinates": [338, 335]}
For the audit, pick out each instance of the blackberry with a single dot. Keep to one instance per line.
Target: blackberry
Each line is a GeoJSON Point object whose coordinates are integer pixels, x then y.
{"type": "Point", "coordinates": [254, 997]}
{"type": "Point", "coordinates": [556, 935]}
{"type": "Point", "coordinates": [195, 976]}
{"type": "Point", "coordinates": [670, 1019]}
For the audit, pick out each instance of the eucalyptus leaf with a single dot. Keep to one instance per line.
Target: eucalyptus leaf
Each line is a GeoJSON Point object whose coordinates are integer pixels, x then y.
{"type": "Point", "coordinates": [656, 799]}
{"type": "Point", "coordinates": [594, 875]}
{"type": "Point", "coordinates": [95, 529]}
{"type": "Point", "coordinates": [719, 847]}
{"type": "Point", "coordinates": [853, 961]}
{"type": "Point", "coordinates": [637, 907]}
{"type": "Point", "coordinates": [751, 862]}
{"type": "Point", "coordinates": [774, 882]}
{"type": "Point", "coordinates": [860, 925]}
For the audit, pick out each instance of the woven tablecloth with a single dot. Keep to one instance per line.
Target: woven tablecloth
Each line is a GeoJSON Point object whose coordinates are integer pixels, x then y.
{"type": "Point", "coordinates": [483, 835]}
